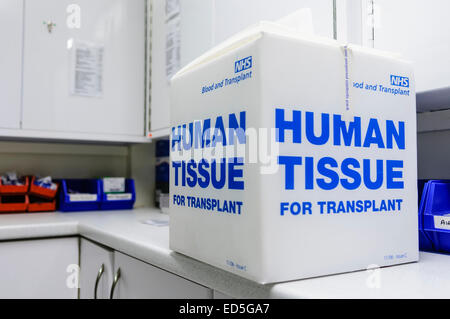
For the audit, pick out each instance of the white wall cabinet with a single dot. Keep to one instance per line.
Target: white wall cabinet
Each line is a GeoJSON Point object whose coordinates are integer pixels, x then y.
{"type": "Point", "coordinates": [11, 23]}
{"type": "Point", "coordinates": [180, 34]}
{"type": "Point", "coordinates": [39, 269]}
{"type": "Point", "coordinates": [73, 71]}
{"type": "Point", "coordinates": [97, 268]}
{"type": "Point", "coordinates": [139, 280]}
{"type": "Point", "coordinates": [86, 79]}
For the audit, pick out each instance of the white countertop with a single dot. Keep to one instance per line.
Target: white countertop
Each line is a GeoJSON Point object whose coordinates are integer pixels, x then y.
{"type": "Point", "coordinates": [125, 232]}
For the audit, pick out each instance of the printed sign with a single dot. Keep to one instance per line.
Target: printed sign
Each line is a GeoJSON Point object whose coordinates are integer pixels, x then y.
{"type": "Point", "coordinates": [87, 70]}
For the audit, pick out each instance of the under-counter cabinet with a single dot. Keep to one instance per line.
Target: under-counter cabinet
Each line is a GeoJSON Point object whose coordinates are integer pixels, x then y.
{"type": "Point", "coordinates": [106, 273]}
{"type": "Point", "coordinates": [136, 280]}
{"type": "Point", "coordinates": [44, 269]}
{"type": "Point", "coordinates": [68, 268]}
{"type": "Point", "coordinates": [10, 63]}
{"type": "Point", "coordinates": [220, 295]}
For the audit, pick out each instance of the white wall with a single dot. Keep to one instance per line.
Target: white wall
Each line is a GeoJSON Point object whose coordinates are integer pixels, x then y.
{"type": "Point", "coordinates": [142, 169]}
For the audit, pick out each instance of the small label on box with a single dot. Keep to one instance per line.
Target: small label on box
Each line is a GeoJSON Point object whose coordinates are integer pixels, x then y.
{"type": "Point", "coordinates": [83, 197]}
{"type": "Point", "coordinates": [114, 185]}
{"type": "Point", "coordinates": [442, 222]}
{"type": "Point", "coordinates": [112, 197]}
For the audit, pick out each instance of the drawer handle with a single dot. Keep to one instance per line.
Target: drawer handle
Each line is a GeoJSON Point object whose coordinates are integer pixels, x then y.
{"type": "Point", "coordinates": [113, 287]}
{"type": "Point", "coordinates": [99, 276]}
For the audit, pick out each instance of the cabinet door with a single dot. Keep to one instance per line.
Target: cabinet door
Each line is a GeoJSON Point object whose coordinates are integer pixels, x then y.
{"type": "Point", "coordinates": [39, 269]}
{"type": "Point", "coordinates": [220, 295]}
{"type": "Point", "coordinates": [94, 257]}
{"type": "Point", "coordinates": [84, 66]}
{"type": "Point", "coordinates": [139, 280]}
{"type": "Point", "coordinates": [419, 31]}
{"type": "Point", "coordinates": [159, 88]}
{"type": "Point", "coordinates": [181, 33]}
{"type": "Point", "coordinates": [11, 32]}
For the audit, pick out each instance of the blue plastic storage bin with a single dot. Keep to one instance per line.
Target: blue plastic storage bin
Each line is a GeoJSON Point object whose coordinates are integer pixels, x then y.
{"type": "Point", "coordinates": [119, 201]}
{"type": "Point", "coordinates": [435, 203]}
{"type": "Point", "coordinates": [425, 242]}
{"type": "Point", "coordinates": [162, 148]}
{"type": "Point", "coordinates": [89, 196]}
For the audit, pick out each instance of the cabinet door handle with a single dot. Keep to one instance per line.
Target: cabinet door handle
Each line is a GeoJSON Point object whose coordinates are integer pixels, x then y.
{"type": "Point", "coordinates": [50, 25]}
{"type": "Point", "coordinates": [99, 276]}
{"type": "Point", "coordinates": [113, 287]}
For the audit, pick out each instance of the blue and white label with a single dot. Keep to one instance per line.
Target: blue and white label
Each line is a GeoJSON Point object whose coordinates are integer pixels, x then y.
{"type": "Point", "coordinates": [442, 222]}
{"type": "Point", "coordinates": [350, 173]}
{"type": "Point", "coordinates": [402, 81]}
{"type": "Point", "coordinates": [244, 64]}
{"type": "Point", "coordinates": [398, 85]}
{"type": "Point", "coordinates": [242, 72]}
{"type": "Point", "coordinates": [295, 127]}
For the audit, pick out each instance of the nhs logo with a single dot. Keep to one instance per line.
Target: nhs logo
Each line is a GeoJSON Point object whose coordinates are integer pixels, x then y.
{"type": "Point", "coordinates": [244, 64]}
{"type": "Point", "coordinates": [397, 80]}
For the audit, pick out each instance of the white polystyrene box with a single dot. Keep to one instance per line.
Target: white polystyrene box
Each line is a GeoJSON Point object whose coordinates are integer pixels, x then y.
{"type": "Point", "coordinates": [334, 200]}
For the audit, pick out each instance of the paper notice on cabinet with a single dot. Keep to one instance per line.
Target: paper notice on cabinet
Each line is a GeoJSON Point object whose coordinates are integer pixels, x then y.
{"type": "Point", "coordinates": [86, 72]}
{"type": "Point", "coordinates": [173, 41]}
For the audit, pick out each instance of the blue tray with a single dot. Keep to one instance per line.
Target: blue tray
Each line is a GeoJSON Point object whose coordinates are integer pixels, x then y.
{"type": "Point", "coordinates": [435, 202]}
{"type": "Point", "coordinates": [425, 242]}
{"type": "Point", "coordinates": [119, 201]}
{"type": "Point", "coordinates": [76, 202]}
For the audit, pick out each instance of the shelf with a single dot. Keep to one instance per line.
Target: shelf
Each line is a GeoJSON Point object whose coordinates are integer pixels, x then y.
{"type": "Point", "coordinates": [43, 136]}
{"type": "Point", "coordinates": [161, 133]}
{"type": "Point", "coordinates": [433, 100]}
{"type": "Point", "coordinates": [433, 121]}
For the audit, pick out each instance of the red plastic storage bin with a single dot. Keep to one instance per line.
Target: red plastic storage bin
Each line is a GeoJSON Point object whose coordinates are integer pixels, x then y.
{"type": "Point", "coordinates": [37, 205]}
{"type": "Point", "coordinates": [14, 204]}
{"type": "Point", "coordinates": [14, 189]}
{"type": "Point", "coordinates": [42, 191]}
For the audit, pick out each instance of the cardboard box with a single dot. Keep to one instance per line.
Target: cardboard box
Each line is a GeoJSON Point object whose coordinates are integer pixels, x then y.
{"type": "Point", "coordinates": [337, 190]}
